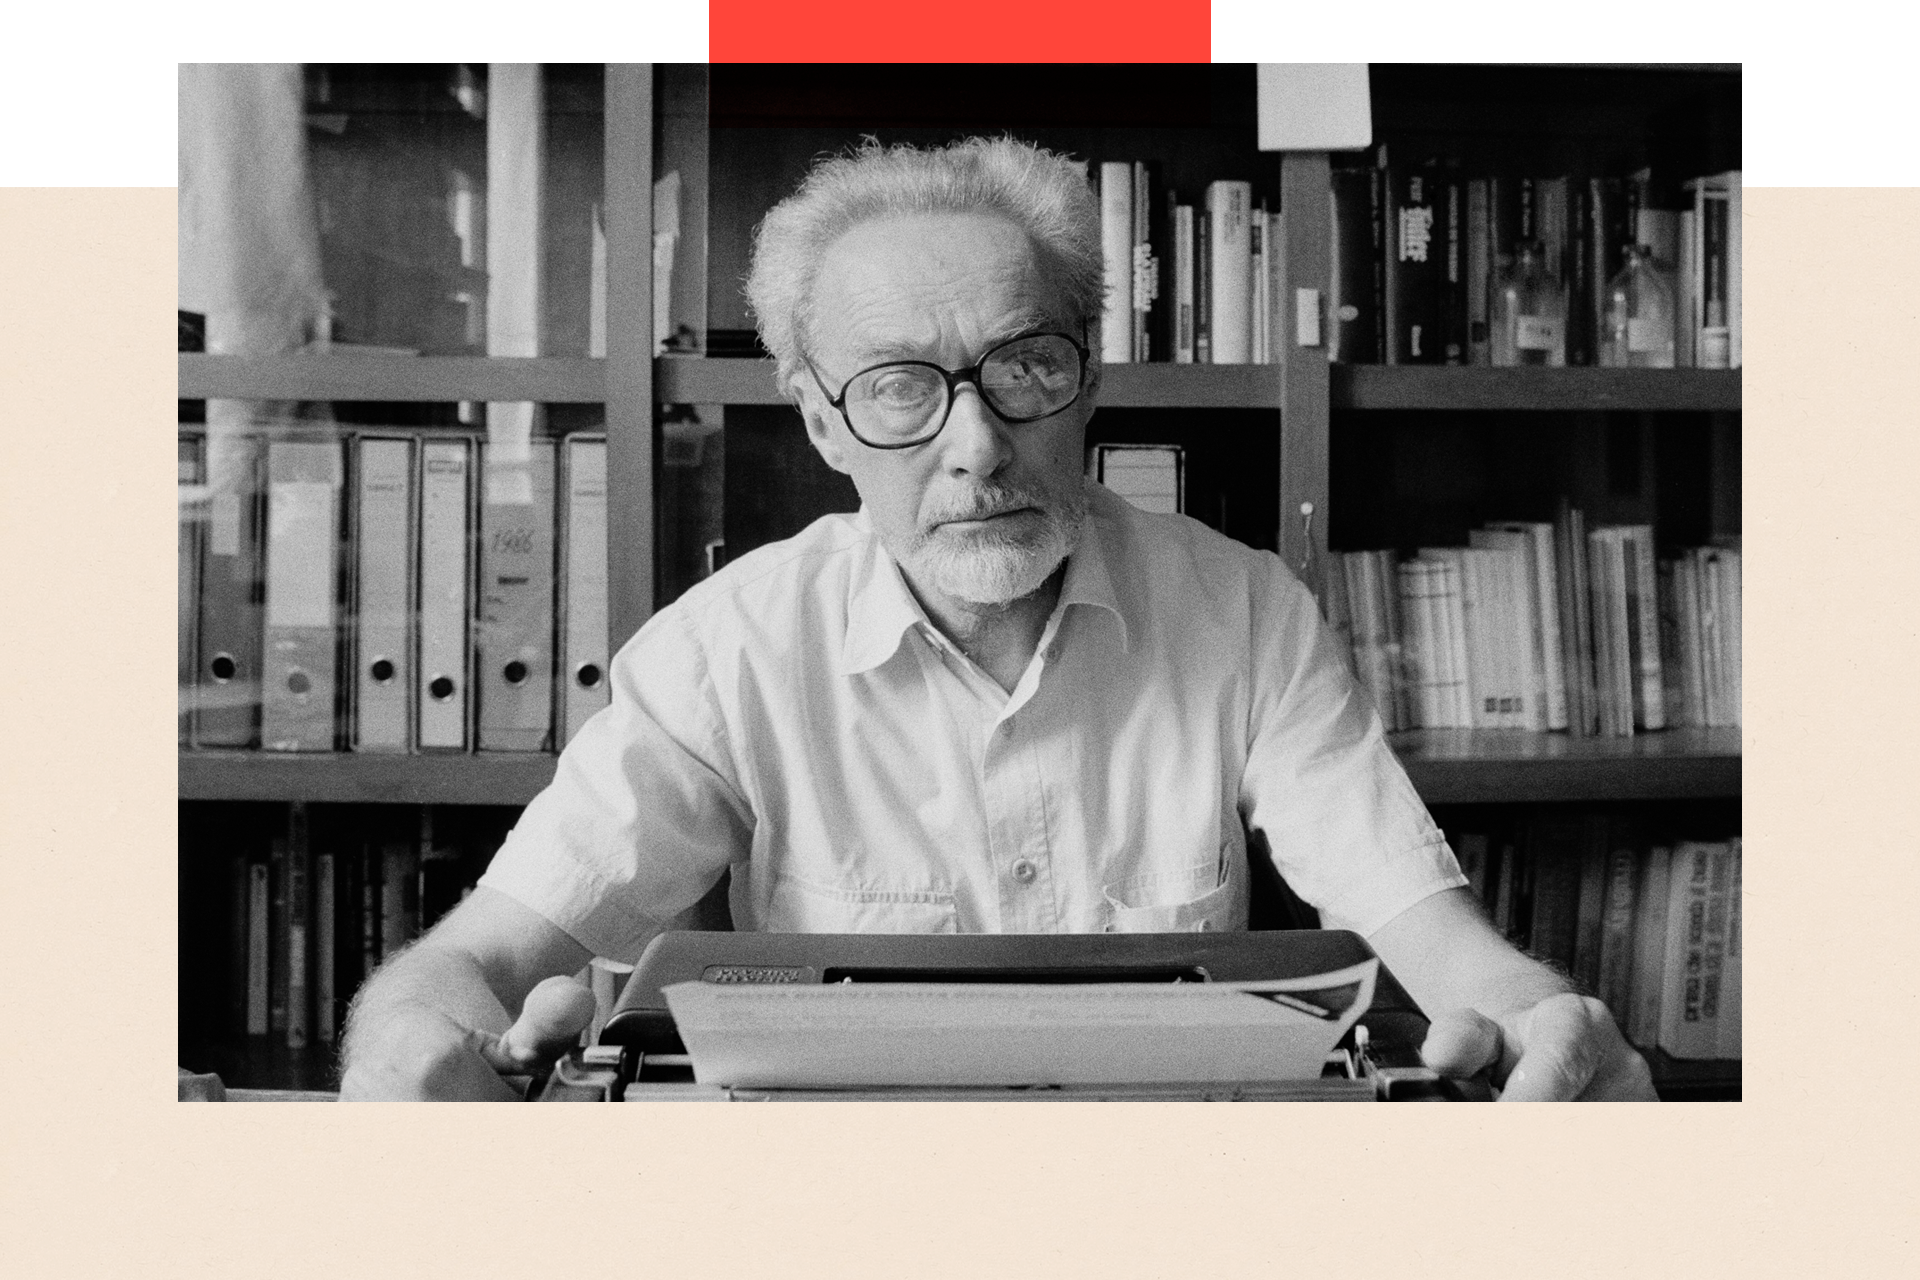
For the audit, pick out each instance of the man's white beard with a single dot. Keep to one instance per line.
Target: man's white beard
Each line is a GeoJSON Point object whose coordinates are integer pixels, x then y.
{"type": "Point", "coordinates": [988, 570]}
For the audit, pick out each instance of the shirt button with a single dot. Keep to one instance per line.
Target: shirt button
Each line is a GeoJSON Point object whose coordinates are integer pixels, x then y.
{"type": "Point", "coordinates": [1024, 871]}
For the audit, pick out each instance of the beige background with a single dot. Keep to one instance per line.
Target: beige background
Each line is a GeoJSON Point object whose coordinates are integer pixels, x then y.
{"type": "Point", "coordinates": [104, 1175]}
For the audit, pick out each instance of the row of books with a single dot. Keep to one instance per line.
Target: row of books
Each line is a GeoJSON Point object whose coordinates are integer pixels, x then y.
{"type": "Point", "coordinates": [1543, 626]}
{"type": "Point", "coordinates": [1652, 929]}
{"type": "Point", "coordinates": [312, 906]}
{"type": "Point", "coordinates": [1187, 283]}
{"type": "Point", "coordinates": [391, 592]}
{"type": "Point", "coordinates": [1419, 247]}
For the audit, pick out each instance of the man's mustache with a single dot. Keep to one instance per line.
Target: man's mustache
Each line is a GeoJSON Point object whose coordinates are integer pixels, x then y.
{"type": "Point", "coordinates": [981, 503]}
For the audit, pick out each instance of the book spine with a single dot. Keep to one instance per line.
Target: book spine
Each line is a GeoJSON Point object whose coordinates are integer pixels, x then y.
{"type": "Point", "coordinates": [1276, 285]}
{"type": "Point", "coordinates": [1183, 280]}
{"type": "Point", "coordinates": [1116, 253]}
{"type": "Point", "coordinates": [1594, 849]}
{"type": "Point", "coordinates": [1732, 182]}
{"type": "Point", "coordinates": [1713, 957]}
{"type": "Point", "coordinates": [1423, 659]}
{"type": "Point", "coordinates": [1686, 347]}
{"type": "Point", "coordinates": [1415, 267]}
{"type": "Point", "coordinates": [277, 939]}
{"type": "Point", "coordinates": [1685, 1031]}
{"type": "Point", "coordinates": [1614, 986]}
{"type": "Point", "coordinates": [1202, 287]}
{"type": "Point", "coordinates": [1643, 612]}
{"type": "Point", "coordinates": [1648, 980]}
{"type": "Point", "coordinates": [1553, 929]}
{"type": "Point", "coordinates": [1350, 305]}
{"type": "Point", "coordinates": [1257, 251]}
{"type": "Point", "coordinates": [1228, 210]}
{"type": "Point", "coordinates": [1479, 272]}
{"type": "Point", "coordinates": [1582, 331]}
{"type": "Point", "coordinates": [1730, 1041]}
{"type": "Point", "coordinates": [1140, 260]}
{"type": "Point", "coordinates": [299, 953]}
{"type": "Point", "coordinates": [326, 957]}
{"type": "Point", "coordinates": [259, 947]}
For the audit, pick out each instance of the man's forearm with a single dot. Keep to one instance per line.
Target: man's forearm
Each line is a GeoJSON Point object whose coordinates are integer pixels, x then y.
{"type": "Point", "coordinates": [425, 976]}
{"type": "Point", "coordinates": [1448, 956]}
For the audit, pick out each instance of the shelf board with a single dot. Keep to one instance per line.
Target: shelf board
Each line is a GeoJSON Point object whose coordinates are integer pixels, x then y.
{"type": "Point", "coordinates": [1681, 1080]}
{"type": "Point", "coordinates": [696, 380]}
{"type": "Point", "coordinates": [348, 778]}
{"type": "Point", "coordinates": [1470, 766]}
{"type": "Point", "coordinates": [1363, 386]}
{"type": "Point", "coordinates": [340, 375]}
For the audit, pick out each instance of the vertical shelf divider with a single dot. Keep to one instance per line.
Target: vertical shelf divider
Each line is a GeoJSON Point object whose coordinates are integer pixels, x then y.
{"type": "Point", "coordinates": [1304, 376]}
{"type": "Point", "coordinates": [628, 206]}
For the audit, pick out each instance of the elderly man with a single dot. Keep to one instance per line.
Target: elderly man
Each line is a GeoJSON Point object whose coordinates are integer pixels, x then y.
{"type": "Point", "coordinates": [997, 699]}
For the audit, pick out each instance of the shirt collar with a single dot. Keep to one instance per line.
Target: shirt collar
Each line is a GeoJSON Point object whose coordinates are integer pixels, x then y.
{"type": "Point", "coordinates": [881, 609]}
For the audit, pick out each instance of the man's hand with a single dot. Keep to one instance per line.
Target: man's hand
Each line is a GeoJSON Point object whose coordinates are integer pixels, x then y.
{"type": "Point", "coordinates": [1566, 1047]}
{"type": "Point", "coordinates": [418, 1053]}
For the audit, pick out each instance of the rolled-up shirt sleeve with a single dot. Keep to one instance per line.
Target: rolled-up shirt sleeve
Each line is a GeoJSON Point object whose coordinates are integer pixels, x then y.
{"type": "Point", "coordinates": [643, 813]}
{"type": "Point", "coordinates": [1347, 829]}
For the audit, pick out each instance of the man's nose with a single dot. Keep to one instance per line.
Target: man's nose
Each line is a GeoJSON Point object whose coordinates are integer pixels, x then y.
{"type": "Point", "coordinates": [976, 441]}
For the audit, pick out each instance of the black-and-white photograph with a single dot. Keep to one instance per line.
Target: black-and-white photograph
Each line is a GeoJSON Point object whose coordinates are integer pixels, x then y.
{"type": "Point", "coordinates": [960, 582]}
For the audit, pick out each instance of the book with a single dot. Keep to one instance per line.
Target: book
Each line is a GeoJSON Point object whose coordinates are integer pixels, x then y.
{"type": "Point", "coordinates": [326, 950]}
{"type": "Point", "coordinates": [1455, 638]}
{"type": "Point", "coordinates": [1144, 258]}
{"type": "Point", "coordinates": [1454, 303]}
{"type": "Point", "coordinates": [1415, 264]}
{"type": "Point", "coordinates": [1576, 630]}
{"type": "Point", "coordinates": [1116, 254]}
{"type": "Point", "coordinates": [1203, 286]}
{"type": "Point", "coordinates": [1554, 848]}
{"type": "Point", "coordinates": [299, 953]}
{"type": "Point", "coordinates": [1150, 476]}
{"type": "Point", "coordinates": [1595, 849]}
{"type": "Point", "coordinates": [1646, 980]}
{"type": "Point", "coordinates": [1730, 1041]}
{"type": "Point", "coordinates": [1640, 592]}
{"type": "Point", "coordinates": [1687, 1026]}
{"type": "Point", "coordinates": [1545, 602]}
{"type": "Point", "coordinates": [277, 921]}
{"type": "Point", "coordinates": [1183, 284]}
{"type": "Point", "coordinates": [399, 895]}
{"type": "Point", "coordinates": [1521, 606]}
{"type": "Point", "coordinates": [1276, 285]}
{"type": "Point", "coordinates": [1479, 272]}
{"type": "Point", "coordinates": [1614, 985]}
{"type": "Point", "coordinates": [1353, 317]}
{"type": "Point", "coordinates": [1257, 253]}
{"type": "Point", "coordinates": [259, 947]}
{"type": "Point", "coordinates": [1230, 269]}
{"type": "Point", "coordinates": [301, 638]}
{"type": "Point", "coordinates": [1373, 657]}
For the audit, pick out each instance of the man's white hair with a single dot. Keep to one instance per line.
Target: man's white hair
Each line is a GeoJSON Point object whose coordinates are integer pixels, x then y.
{"type": "Point", "coordinates": [1043, 193]}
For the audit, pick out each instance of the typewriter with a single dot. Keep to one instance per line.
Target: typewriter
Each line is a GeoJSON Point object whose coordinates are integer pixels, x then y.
{"type": "Point", "coordinates": [639, 1055]}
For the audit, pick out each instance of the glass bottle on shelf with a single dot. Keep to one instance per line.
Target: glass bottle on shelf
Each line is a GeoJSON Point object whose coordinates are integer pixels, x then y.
{"type": "Point", "coordinates": [1529, 310]}
{"type": "Point", "coordinates": [1637, 331]}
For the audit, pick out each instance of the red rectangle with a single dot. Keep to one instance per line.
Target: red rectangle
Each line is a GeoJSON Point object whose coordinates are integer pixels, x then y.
{"type": "Point", "coordinates": [993, 31]}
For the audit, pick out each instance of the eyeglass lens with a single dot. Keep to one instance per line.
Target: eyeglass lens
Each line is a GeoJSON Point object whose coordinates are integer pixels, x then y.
{"type": "Point", "coordinates": [1022, 380]}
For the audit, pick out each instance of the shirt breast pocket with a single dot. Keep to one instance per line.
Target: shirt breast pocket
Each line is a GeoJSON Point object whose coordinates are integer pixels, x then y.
{"type": "Point", "coordinates": [801, 906]}
{"type": "Point", "coordinates": [1197, 900]}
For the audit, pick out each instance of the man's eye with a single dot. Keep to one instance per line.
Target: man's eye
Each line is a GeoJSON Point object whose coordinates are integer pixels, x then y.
{"type": "Point", "coordinates": [901, 388]}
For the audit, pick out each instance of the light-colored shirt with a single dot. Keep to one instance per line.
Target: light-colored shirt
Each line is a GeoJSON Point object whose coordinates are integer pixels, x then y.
{"type": "Point", "coordinates": [797, 718]}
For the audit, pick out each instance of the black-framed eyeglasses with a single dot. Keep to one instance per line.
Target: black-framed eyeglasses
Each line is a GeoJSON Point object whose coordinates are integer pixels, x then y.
{"type": "Point", "coordinates": [906, 402]}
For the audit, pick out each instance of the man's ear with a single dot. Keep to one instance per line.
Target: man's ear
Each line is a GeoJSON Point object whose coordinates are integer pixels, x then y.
{"type": "Point", "coordinates": [824, 427]}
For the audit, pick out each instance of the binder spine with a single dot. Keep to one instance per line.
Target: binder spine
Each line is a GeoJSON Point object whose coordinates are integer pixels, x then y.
{"type": "Point", "coordinates": [444, 575]}
{"type": "Point", "coordinates": [383, 594]}
{"type": "Point", "coordinates": [226, 696]}
{"type": "Point", "coordinates": [514, 641]}
{"type": "Point", "coordinates": [302, 649]}
{"type": "Point", "coordinates": [583, 670]}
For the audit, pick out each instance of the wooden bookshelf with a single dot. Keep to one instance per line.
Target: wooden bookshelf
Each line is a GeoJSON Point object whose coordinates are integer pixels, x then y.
{"type": "Point", "coordinates": [1469, 766]}
{"type": "Point", "coordinates": [347, 778]}
{"type": "Point", "coordinates": [1679, 1080]}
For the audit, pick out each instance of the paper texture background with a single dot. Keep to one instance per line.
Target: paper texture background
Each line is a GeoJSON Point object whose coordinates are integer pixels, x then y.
{"type": "Point", "coordinates": [103, 1175]}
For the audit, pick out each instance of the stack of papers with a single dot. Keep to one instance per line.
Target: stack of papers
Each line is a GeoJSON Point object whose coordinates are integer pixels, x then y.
{"type": "Point", "coordinates": [931, 1035]}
